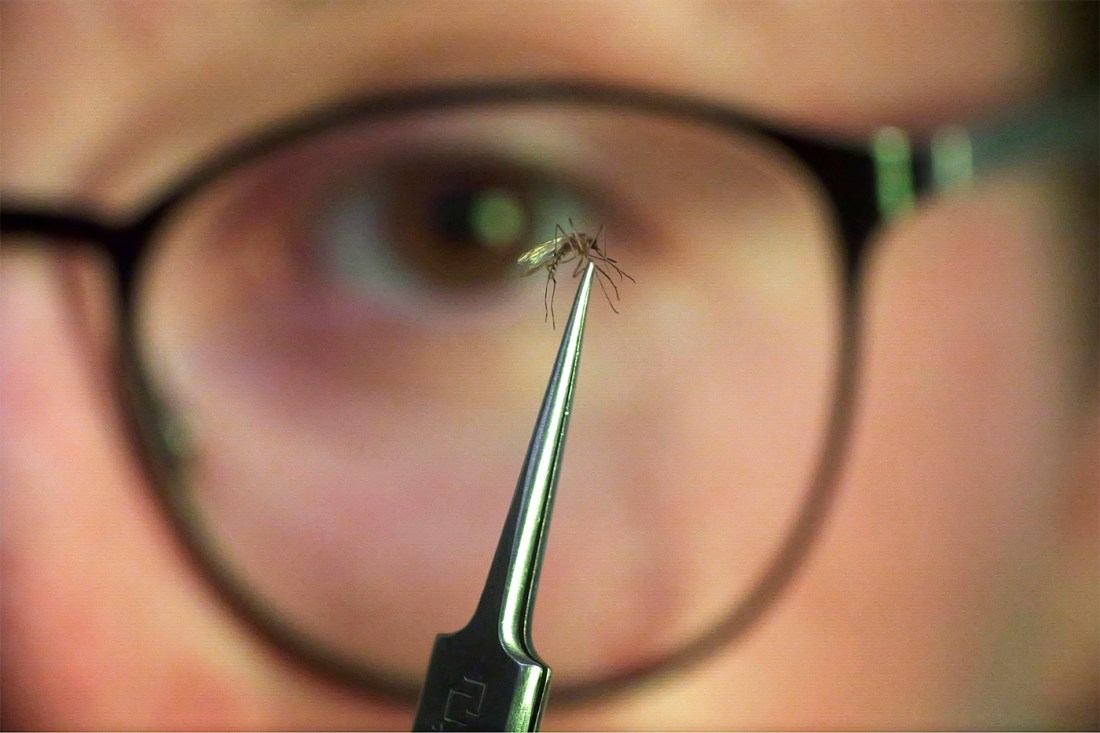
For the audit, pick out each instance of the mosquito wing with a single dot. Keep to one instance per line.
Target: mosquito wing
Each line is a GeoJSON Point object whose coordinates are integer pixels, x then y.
{"type": "Point", "coordinates": [540, 255]}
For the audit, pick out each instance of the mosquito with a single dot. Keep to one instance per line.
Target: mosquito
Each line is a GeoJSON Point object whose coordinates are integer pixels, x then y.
{"type": "Point", "coordinates": [567, 247]}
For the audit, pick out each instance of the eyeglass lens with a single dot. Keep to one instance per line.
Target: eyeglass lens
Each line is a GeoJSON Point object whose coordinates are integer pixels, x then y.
{"type": "Point", "coordinates": [351, 363]}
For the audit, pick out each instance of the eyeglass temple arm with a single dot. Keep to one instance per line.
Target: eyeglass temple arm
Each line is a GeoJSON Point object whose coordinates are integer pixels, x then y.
{"type": "Point", "coordinates": [954, 156]}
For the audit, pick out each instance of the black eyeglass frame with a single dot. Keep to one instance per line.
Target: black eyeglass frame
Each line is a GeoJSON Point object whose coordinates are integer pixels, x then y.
{"type": "Point", "coordinates": [850, 178]}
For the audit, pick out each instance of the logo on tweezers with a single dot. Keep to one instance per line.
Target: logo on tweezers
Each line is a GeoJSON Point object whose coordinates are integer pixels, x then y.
{"type": "Point", "coordinates": [464, 703]}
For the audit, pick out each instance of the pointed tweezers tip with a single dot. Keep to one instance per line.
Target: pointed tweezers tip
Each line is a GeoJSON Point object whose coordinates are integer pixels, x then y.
{"type": "Point", "coordinates": [495, 646]}
{"type": "Point", "coordinates": [531, 508]}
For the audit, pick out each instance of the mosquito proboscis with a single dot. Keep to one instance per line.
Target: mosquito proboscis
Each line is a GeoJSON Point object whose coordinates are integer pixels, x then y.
{"type": "Point", "coordinates": [567, 247]}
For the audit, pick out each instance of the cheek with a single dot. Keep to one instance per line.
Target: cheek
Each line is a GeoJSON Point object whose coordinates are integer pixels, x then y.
{"type": "Point", "coordinates": [88, 574]}
{"type": "Point", "coordinates": [939, 567]}
{"type": "Point", "coordinates": [105, 624]}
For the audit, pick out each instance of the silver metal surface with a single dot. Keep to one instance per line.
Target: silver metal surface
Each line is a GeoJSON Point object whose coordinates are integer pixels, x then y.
{"type": "Point", "coordinates": [487, 676]}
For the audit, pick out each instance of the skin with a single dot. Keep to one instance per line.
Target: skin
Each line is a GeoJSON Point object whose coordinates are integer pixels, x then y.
{"type": "Point", "coordinates": [956, 584]}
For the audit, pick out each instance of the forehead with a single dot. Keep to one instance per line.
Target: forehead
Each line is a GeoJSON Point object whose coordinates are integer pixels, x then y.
{"type": "Point", "coordinates": [123, 94]}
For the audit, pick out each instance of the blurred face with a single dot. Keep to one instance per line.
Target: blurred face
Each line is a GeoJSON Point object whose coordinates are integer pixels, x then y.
{"type": "Point", "coordinates": [954, 584]}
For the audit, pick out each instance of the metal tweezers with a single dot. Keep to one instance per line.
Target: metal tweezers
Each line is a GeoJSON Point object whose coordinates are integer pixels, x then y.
{"type": "Point", "coordinates": [487, 676]}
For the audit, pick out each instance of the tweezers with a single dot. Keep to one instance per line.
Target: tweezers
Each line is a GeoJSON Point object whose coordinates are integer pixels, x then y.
{"type": "Point", "coordinates": [487, 676]}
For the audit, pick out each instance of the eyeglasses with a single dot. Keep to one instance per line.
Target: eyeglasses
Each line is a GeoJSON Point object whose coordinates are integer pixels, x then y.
{"type": "Point", "coordinates": [330, 365]}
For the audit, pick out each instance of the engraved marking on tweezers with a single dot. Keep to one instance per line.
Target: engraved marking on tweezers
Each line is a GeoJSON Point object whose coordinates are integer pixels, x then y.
{"type": "Point", "coordinates": [464, 702]}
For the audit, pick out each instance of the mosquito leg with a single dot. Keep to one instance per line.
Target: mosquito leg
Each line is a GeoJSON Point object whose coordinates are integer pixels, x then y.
{"type": "Point", "coordinates": [581, 262]}
{"type": "Point", "coordinates": [601, 271]}
{"type": "Point", "coordinates": [604, 289]}
{"type": "Point", "coordinates": [546, 293]}
{"type": "Point", "coordinates": [553, 292]}
{"type": "Point", "coordinates": [610, 282]}
{"type": "Point", "coordinates": [621, 273]}
{"type": "Point", "coordinates": [566, 257]}
{"type": "Point", "coordinates": [602, 257]}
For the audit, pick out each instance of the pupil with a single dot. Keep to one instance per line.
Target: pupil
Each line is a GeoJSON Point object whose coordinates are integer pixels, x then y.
{"type": "Point", "coordinates": [492, 218]}
{"type": "Point", "coordinates": [453, 217]}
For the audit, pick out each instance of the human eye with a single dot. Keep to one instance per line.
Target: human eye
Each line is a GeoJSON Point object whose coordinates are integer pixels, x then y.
{"type": "Point", "coordinates": [417, 221]}
{"type": "Point", "coordinates": [441, 224]}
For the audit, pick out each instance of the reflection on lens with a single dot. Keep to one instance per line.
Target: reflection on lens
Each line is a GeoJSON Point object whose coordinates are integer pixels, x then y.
{"type": "Point", "coordinates": [498, 218]}
{"type": "Point", "coordinates": [341, 329]}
